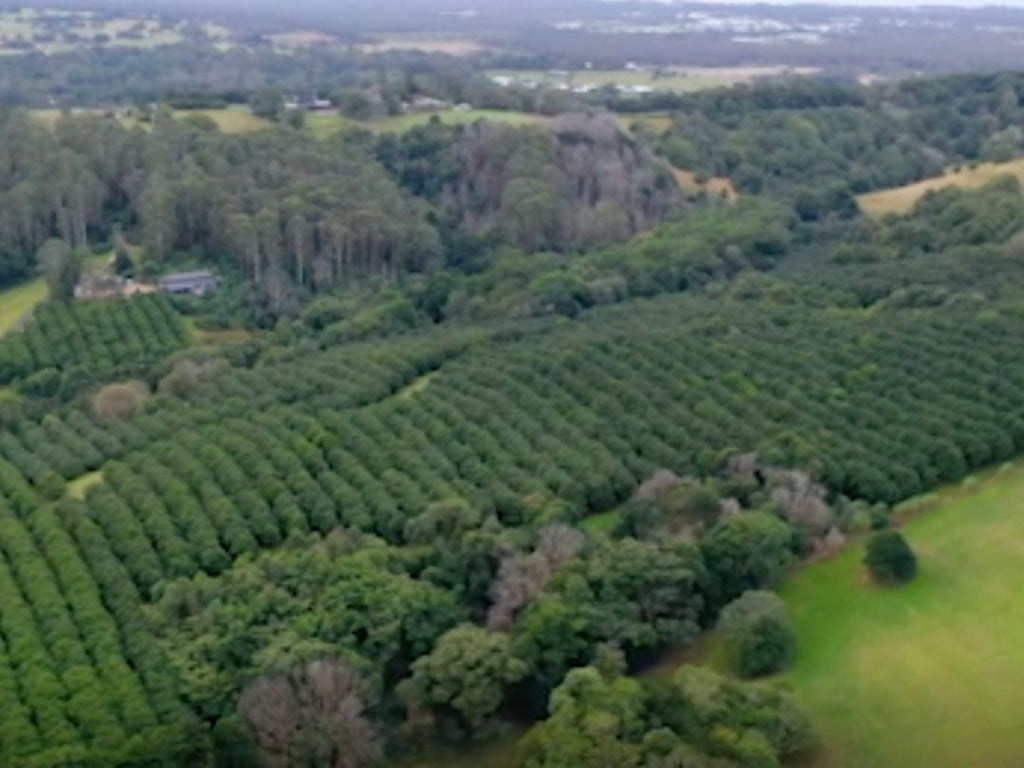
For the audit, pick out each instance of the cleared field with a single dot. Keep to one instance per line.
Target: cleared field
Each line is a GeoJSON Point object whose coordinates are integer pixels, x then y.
{"type": "Point", "coordinates": [17, 302]}
{"type": "Point", "coordinates": [233, 119]}
{"type": "Point", "coordinates": [79, 487]}
{"type": "Point", "coordinates": [716, 186]}
{"type": "Point", "coordinates": [655, 122]}
{"type": "Point", "coordinates": [50, 117]}
{"type": "Point", "coordinates": [225, 336]}
{"type": "Point", "coordinates": [240, 119]}
{"type": "Point", "coordinates": [453, 46]}
{"type": "Point", "coordinates": [901, 200]}
{"type": "Point", "coordinates": [54, 31]}
{"type": "Point", "coordinates": [928, 674]}
{"type": "Point", "coordinates": [682, 79]}
{"type": "Point", "coordinates": [323, 124]}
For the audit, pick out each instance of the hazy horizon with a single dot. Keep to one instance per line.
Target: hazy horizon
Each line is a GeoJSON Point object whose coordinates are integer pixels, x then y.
{"type": "Point", "coordinates": [971, 4]}
{"type": "Point", "coordinates": [342, 6]}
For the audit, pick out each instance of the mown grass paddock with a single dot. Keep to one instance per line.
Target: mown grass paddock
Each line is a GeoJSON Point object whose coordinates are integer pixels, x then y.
{"type": "Point", "coordinates": [16, 302]}
{"type": "Point", "coordinates": [928, 674]}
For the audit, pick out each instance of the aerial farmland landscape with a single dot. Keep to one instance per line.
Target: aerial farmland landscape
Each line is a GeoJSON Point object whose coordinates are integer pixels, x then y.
{"type": "Point", "coordinates": [549, 384]}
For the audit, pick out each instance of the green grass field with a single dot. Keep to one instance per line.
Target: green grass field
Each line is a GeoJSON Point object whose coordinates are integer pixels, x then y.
{"type": "Point", "coordinates": [239, 119]}
{"type": "Point", "coordinates": [79, 487]}
{"type": "Point", "coordinates": [19, 26]}
{"type": "Point", "coordinates": [323, 124]}
{"type": "Point", "coordinates": [653, 122]}
{"type": "Point", "coordinates": [928, 674]}
{"type": "Point", "coordinates": [17, 302]}
{"type": "Point", "coordinates": [233, 119]}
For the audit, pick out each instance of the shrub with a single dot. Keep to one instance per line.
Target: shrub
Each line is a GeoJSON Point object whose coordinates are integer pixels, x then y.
{"type": "Point", "coordinates": [889, 558]}
{"type": "Point", "coordinates": [757, 633]}
{"type": "Point", "coordinates": [119, 401]}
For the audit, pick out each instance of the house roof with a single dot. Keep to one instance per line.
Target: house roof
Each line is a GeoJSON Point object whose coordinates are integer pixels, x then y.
{"type": "Point", "coordinates": [201, 276]}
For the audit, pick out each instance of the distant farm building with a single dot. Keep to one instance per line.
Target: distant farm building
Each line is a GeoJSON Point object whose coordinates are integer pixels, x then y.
{"type": "Point", "coordinates": [428, 104]}
{"type": "Point", "coordinates": [195, 283]}
{"type": "Point", "coordinates": [294, 104]}
{"type": "Point", "coordinates": [110, 287]}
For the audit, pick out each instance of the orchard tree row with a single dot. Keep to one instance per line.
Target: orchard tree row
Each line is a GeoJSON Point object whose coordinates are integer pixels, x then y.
{"type": "Point", "coordinates": [75, 343]}
{"type": "Point", "coordinates": [78, 683]}
{"type": "Point", "coordinates": [878, 407]}
{"type": "Point", "coordinates": [56, 448]}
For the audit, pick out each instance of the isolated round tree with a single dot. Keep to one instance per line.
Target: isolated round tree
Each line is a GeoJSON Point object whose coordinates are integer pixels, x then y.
{"type": "Point", "coordinates": [889, 558]}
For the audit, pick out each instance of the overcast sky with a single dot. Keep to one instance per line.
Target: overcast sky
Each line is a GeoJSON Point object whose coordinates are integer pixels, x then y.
{"type": "Point", "coordinates": [875, 3]}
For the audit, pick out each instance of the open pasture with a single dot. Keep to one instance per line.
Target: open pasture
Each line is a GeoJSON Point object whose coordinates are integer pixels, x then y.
{"type": "Point", "coordinates": [447, 44]}
{"type": "Point", "coordinates": [324, 124]}
{"type": "Point", "coordinates": [18, 301]}
{"type": "Point", "coordinates": [901, 200]}
{"type": "Point", "coordinates": [680, 79]}
{"type": "Point", "coordinates": [57, 31]}
{"type": "Point", "coordinates": [929, 673]}
{"type": "Point", "coordinates": [653, 122]}
{"type": "Point", "coordinates": [237, 118]}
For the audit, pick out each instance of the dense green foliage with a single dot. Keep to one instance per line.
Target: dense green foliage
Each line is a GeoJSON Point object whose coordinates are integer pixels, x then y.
{"type": "Point", "coordinates": [889, 558]}
{"type": "Point", "coordinates": [293, 216]}
{"type": "Point", "coordinates": [698, 719]}
{"type": "Point", "coordinates": [70, 345]}
{"type": "Point", "coordinates": [83, 678]}
{"type": "Point", "coordinates": [757, 633]}
{"type": "Point", "coordinates": [819, 145]}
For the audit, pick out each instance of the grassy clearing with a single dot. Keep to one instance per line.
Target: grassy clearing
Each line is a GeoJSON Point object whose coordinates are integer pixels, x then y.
{"type": "Point", "coordinates": [237, 118]}
{"type": "Point", "coordinates": [451, 45]}
{"type": "Point", "coordinates": [653, 122]}
{"type": "Point", "coordinates": [681, 79]}
{"type": "Point", "coordinates": [78, 487]}
{"type": "Point", "coordinates": [324, 124]}
{"type": "Point", "coordinates": [54, 31]}
{"type": "Point", "coordinates": [716, 186]}
{"type": "Point", "coordinates": [224, 336]}
{"type": "Point", "coordinates": [17, 303]}
{"type": "Point", "coordinates": [929, 673]}
{"type": "Point", "coordinates": [603, 521]}
{"type": "Point", "coordinates": [416, 385]}
{"type": "Point", "coordinates": [901, 200]}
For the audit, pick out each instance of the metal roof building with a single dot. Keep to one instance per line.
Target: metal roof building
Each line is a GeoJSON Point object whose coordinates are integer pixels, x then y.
{"type": "Point", "coordinates": [196, 283]}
